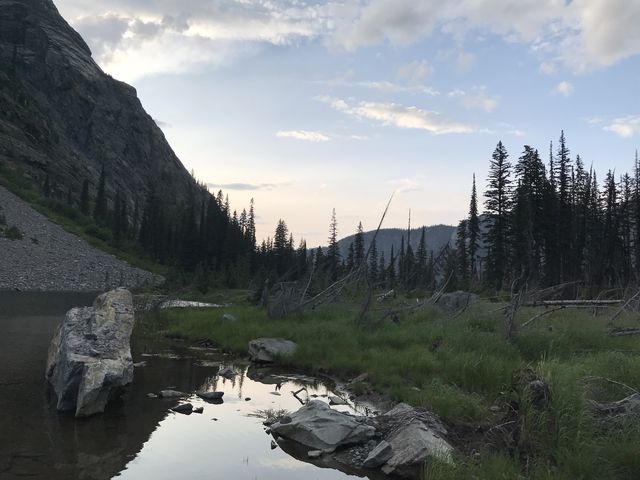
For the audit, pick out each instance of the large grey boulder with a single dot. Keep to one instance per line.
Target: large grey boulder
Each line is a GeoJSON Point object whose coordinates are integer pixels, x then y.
{"type": "Point", "coordinates": [319, 427]}
{"type": "Point", "coordinates": [270, 349]}
{"type": "Point", "coordinates": [90, 357]}
{"type": "Point", "coordinates": [415, 437]}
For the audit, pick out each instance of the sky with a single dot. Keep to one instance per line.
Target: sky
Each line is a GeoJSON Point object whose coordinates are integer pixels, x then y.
{"type": "Point", "coordinates": [310, 105]}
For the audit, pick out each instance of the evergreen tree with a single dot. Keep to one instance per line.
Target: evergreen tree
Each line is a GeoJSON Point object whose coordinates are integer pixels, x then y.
{"type": "Point", "coordinates": [463, 257]}
{"type": "Point", "coordinates": [100, 209]}
{"type": "Point", "coordinates": [473, 230]}
{"type": "Point", "coordinates": [358, 246]}
{"type": "Point", "coordinates": [333, 251]}
{"type": "Point", "coordinates": [497, 212]}
{"type": "Point", "coordinates": [84, 198]}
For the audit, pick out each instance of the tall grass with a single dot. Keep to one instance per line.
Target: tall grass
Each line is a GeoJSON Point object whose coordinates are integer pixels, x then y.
{"type": "Point", "coordinates": [460, 367]}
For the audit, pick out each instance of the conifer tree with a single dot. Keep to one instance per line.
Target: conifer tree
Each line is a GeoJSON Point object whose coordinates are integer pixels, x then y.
{"type": "Point", "coordinates": [333, 251]}
{"type": "Point", "coordinates": [358, 246]}
{"type": "Point", "coordinates": [497, 212]}
{"type": "Point", "coordinates": [473, 230]}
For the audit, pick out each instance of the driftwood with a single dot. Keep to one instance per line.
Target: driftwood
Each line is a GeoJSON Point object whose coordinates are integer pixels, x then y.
{"type": "Point", "coordinates": [622, 309]}
{"type": "Point", "coordinates": [572, 303]}
{"type": "Point", "coordinates": [622, 332]}
{"type": "Point", "coordinates": [546, 312]}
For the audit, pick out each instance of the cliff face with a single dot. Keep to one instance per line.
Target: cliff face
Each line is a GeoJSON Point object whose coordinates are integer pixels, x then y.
{"type": "Point", "coordinates": [61, 116]}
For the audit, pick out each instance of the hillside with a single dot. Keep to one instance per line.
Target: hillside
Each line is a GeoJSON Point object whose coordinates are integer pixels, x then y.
{"type": "Point", "coordinates": [437, 236]}
{"type": "Point", "coordinates": [64, 121]}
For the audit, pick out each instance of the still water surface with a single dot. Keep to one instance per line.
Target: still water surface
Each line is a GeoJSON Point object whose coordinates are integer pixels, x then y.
{"type": "Point", "coordinates": [139, 438]}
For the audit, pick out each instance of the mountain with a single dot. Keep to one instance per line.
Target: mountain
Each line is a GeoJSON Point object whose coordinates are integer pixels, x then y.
{"type": "Point", "coordinates": [437, 236]}
{"type": "Point", "coordinates": [64, 121]}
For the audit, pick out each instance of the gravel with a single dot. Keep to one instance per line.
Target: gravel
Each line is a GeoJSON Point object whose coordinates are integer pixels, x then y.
{"type": "Point", "coordinates": [48, 258]}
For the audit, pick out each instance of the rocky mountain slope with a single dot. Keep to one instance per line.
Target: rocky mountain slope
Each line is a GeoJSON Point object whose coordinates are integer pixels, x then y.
{"type": "Point", "coordinates": [47, 258]}
{"type": "Point", "coordinates": [63, 118]}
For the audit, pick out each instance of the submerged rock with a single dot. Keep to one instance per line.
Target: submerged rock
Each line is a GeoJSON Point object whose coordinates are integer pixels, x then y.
{"type": "Point", "coordinates": [171, 394]}
{"type": "Point", "coordinates": [319, 427]}
{"type": "Point", "coordinates": [269, 349]}
{"type": "Point", "coordinates": [185, 409]}
{"type": "Point", "coordinates": [89, 357]}
{"type": "Point", "coordinates": [209, 396]}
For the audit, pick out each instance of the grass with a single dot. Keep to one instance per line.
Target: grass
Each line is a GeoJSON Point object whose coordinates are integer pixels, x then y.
{"type": "Point", "coordinates": [459, 368]}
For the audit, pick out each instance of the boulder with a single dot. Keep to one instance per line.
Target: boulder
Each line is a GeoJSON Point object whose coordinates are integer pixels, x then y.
{"type": "Point", "coordinates": [270, 349]}
{"type": "Point", "coordinates": [317, 426]}
{"type": "Point", "coordinates": [457, 300]}
{"type": "Point", "coordinates": [89, 359]}
{"type": "Point", "coordinates": [415, 436]}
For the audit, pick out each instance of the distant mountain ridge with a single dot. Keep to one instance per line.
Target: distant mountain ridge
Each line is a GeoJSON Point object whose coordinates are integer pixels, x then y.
{"type": "Point", "coordinates": [436, 236]}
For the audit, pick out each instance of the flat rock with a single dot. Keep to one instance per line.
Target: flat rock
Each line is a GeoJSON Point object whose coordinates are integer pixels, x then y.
{"type": "Point", "coordinates": [319, 427]}
{"type": "Point", "coordinates": [89, 360]}
{"type": "Point", "coordinates": [379, 455]}
{"type": "Point", "coordinates": [270, 349]}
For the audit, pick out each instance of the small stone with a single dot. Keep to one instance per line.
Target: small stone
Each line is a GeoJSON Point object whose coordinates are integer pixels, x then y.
{"type": "Point", "coordinates": [314, 453]}
{"type": "Point", "coordinates": [172, 394]}
{"type": "Point", "coordinates": [276, 393]}
{"type": "Point", "coordinates": [210, 395]}
{"type": "Point", "coordinates": [335, 400]}
{"type": "Point", "coordinates": [198, 410]}
{"type": "Point", "coordinates": [185, 408]}
{"type": "Point", "coordinates": [274, 445]}
{"type": "Point", "coordinates": [248, 399]}
{"type": "Point", "coordinates": [152, 395]}
{"type": "Point", "coordinates": [140, 364]}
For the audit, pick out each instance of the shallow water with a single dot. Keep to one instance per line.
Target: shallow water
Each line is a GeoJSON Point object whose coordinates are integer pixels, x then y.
{"type": "Point", "coordinates": [139, 437]}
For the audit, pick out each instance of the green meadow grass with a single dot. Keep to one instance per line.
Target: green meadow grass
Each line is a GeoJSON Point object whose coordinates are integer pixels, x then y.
{"type": "Point", "coordinates": [459, 367]}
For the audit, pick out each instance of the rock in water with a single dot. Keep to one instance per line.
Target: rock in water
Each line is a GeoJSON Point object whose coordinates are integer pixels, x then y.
{"type": "Point", "coordinates": [90, 357]}
{"type": "Point", "coordinates": [319, 427]}
{"type": "Point", "coordinates": [269, 349]}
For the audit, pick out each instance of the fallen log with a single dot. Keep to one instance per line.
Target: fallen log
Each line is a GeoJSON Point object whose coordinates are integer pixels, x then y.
{"type": "Point", "coordinates": [572, 303]}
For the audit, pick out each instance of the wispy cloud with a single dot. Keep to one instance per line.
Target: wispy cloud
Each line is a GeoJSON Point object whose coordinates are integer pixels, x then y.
{"type": "Point", "coordinates": [303, 135]}
{"type": "Point", "coordinates": [625, 127]}
{"type": "Point", "coordinates": [477, 98]}
{"type": "Point", "coordinates": [405, 185]}
{"type": "Point", "coordinates": [381, 85]}
{"type": "Point", "coordinates": [415, 72]}
{"type": "Point", "coordinates": [400, 116]}
{"type": "Point", "coordinates": [245, 186]}
{"type": "Point", "coordinates": [564, 88]}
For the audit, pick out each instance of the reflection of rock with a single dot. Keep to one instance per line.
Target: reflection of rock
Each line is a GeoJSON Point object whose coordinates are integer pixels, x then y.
{"type": "Point", "coordinates": [270, 349]}
{"type": "Point", "coordinates": [227, 372]}
{"type": "Point", "coordinates": [90, 357]}
{"type": "Point", "coordinates": [318, 427]}
{"type": "Point", "coordinates": [210, 396]}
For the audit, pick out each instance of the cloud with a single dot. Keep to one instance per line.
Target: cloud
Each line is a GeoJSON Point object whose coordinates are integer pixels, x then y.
{"type": "Point", "coordinates": [465, 61]}
{"type": "Point", "coordinates": [405, 185]}
{"type": "Point", "coordinates": [625, 127]}
{"type": "Point", "coordinates": [400, 116]}
{"type": "Point", "coordinates": [414, 72]}
{"type": "Point", "coordinates": [245, 186]}
{"type": "Point", "coordinates": [564, 88]}
{"type": "Point", "coordinates": [547, 68]}
{"type": "Point", "coordinates": [580, 34]}
{"type": "Point", "coordinates": [478, 98]}
{"type": "Point", "coordinates": [303, 135]}
{"type": "Point", "coordinates": [381, 85]}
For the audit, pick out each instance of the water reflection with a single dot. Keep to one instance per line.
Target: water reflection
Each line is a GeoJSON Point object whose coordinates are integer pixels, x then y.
{"type": "Point", "coordinates": [139, 437]}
